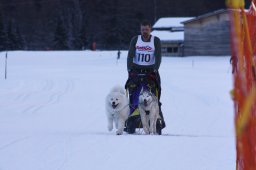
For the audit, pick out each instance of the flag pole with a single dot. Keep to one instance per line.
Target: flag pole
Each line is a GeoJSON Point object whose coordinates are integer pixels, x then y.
{"type": "Point", "coordinates": [6, 57]}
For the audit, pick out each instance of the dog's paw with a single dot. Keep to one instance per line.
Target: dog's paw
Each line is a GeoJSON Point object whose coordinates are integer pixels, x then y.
{"type": "Point", "coordinates": [146, 131]}
{"type": "Point", "coordinates": [151, 132]}
{"type": "Point", "coordinates": [119, 132]}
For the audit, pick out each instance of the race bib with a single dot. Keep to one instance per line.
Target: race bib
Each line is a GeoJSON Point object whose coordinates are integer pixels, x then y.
{"type": "Point", "coordinates": [144, 58]}
{"type": "Point", "coordinates": [145, 52]}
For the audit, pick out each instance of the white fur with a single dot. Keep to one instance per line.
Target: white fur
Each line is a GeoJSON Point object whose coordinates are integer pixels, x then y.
{"type": "Point", "coordinates": [118, 114]}
{"type": "Point", "coordinates": [152, 106]}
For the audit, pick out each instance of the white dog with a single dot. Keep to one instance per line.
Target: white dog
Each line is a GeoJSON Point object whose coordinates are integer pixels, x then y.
{"type": "Point", "coordinates": [149, 111]}
{"type": "Point", "coordinates": [117, 109]}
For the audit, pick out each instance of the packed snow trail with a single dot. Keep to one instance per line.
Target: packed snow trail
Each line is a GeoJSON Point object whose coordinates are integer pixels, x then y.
{"type": "Point", "coordinates": [52, 114]}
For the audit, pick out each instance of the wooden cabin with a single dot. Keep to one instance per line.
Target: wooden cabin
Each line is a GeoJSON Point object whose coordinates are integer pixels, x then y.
{"type": "Point", "coordinates": [171, 33]}
{"type": "Point", "coordinates": [208, 35]}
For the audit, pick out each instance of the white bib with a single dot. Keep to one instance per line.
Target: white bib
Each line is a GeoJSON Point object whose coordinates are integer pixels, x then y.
{"type": "Point", "coordinates": [145, 52]}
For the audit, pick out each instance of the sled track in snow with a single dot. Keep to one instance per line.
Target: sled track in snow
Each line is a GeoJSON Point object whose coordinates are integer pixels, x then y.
{"type": "Point", "coordinates": [195, 136]}
{"type": "Point", "coordinates": [14, 142]}
{"type": "Point", "coordinates": [54, 97]}
{"type": "Point", "coordinates": [48, 85]}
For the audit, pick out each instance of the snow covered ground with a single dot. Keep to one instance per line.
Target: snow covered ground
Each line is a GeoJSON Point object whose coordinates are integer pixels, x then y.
{"type": "Point", "coordinates": [52, 114]}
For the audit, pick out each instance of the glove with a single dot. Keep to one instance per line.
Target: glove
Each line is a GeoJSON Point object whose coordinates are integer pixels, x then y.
{"type": "Point", "coordinates": [131, 73]}
{"type": "Point", "coordinates": [152, 75]}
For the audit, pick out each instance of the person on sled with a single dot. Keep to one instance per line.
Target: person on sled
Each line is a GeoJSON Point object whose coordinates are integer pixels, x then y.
{"type": "Point", "coordinates": [143, 62]}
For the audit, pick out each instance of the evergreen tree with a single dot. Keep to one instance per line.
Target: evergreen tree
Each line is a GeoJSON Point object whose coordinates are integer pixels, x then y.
{"type": "Point", "coordinates": [3, 35]}
{"type": "Point", "coordinates": [117, 33]}
{"type": "Point", "coordinates": [81, 40]}
{"type": "Point", "coordinates": [38, 5]}
{"type": "Point", "coordinates": [76, 24]}
{"type": "Point", "coordinates": [60, 36]}
{"type": "Point", "coordinates": [20, 39]}
{"type": "Point", "coordinates": [112, 36]}
{"type": "Point", "coordinates": [12, 38]}
{"type": "Point", "coordinates": [109, 22]}
{"type": "Point", "coordinates": [15, 40]}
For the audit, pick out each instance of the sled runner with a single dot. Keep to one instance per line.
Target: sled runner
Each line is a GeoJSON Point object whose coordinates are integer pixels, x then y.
{"type": "Point", "coordinates": [137, 80]}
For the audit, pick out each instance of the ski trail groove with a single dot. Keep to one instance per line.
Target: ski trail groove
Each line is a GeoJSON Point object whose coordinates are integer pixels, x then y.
{"type": "Point", "coordinates": [13, 142]}
{"type": "Point", "coordinates": [54, 98]}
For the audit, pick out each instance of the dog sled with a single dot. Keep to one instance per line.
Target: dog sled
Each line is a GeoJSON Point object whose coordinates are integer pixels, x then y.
{"type": "Point", "coordinates": [138, 80]}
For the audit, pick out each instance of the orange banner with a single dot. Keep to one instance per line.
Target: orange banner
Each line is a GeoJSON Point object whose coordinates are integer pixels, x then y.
{"type": "Point", "coordinates": [243, 44]}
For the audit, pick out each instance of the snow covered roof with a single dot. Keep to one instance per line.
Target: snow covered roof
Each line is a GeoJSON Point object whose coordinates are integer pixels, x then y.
{"type": "Point", "coordinates": [168, 35]}
{"type": "Point", "coordinates": [217, 12]}
{"type": "Point", "coordinates": [170, 22]}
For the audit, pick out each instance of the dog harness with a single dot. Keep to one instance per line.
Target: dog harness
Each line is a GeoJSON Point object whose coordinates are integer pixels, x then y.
{"type": "Point", "coordinates": [145, 52]}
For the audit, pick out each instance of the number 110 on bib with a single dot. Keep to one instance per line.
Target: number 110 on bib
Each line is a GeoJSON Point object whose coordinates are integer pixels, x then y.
{"type": "Point", "coordinates": [143, 57]}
